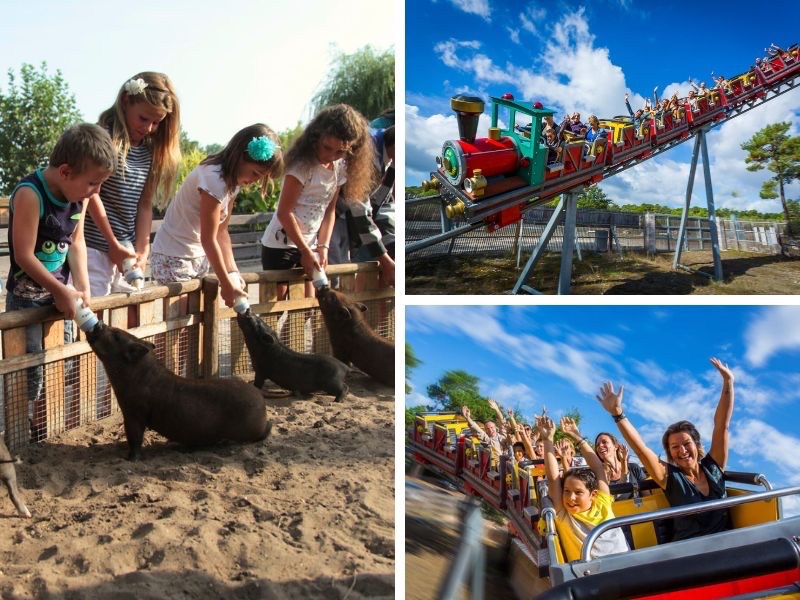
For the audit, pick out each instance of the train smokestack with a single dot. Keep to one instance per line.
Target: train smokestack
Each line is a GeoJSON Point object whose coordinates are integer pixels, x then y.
{"type": "Point", "coordinates": [468, 111]}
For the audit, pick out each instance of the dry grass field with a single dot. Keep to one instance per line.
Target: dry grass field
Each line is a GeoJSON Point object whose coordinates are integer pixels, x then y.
{"type": "Point", "coordinates": [744, 273]}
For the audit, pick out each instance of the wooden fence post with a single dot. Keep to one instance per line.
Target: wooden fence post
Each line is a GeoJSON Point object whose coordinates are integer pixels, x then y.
{"type": "Point", "coordinates": [210, 361]}
{"type": "Point", "coordinates": [15, 392]}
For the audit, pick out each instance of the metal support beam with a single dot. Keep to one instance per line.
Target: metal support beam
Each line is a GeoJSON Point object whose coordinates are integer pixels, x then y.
{"type": "Point", "coordinates": [544, 239]}
{"type": "Point", "coordinates": [700, 147]}
{"type": "Point", "coordinates": [676, 259]}
{"type": "Point", "coordinates": [568, 206]}
{"type": "Point", "coordinates": [470, 559]}
{"type": "Point", "coordinates": [712, 214]}
{"type": "Point", "coordinates": [568, 247]}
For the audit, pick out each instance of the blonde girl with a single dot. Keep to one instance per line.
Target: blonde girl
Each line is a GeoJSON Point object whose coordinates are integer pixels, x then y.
{"type": "Point", "coordinates": [144, 124]}
{"type": "Point", "coordinates": [194, 235]}
{"type": "Point", "coordinates": [335, 148]}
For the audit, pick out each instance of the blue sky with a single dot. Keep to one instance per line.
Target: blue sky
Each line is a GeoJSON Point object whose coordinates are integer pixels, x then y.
{"type": "Point", "coordinates": [527, 357]}
{"type": "Point", "coordinates": [584, 56]}
{"type": "Point", "coordinates": [234, 63]}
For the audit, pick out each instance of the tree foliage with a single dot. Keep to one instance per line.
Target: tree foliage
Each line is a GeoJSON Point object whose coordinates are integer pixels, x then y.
{"type": "Point", "coordinates": [772, 148]}
{"type": "Point", "coordinates": [412, 362]}
{"type": "Point", "coordinates": [458, 388]}
{"type": "Point", "coordinates": [412, 412]}
{"type": "Point", "coordinates": [364, 80]}
{"type": "Point", "coordinates": [34, 111]}
{"type": "Point", "coordinates": [595, 198]}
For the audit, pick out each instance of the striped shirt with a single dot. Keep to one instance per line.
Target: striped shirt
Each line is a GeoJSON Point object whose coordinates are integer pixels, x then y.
{"type": "Point", "coordinates": [120, 195]}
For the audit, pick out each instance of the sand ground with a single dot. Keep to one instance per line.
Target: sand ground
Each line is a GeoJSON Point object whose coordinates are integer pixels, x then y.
{"type": "Point", "coordinates": [308, 513]}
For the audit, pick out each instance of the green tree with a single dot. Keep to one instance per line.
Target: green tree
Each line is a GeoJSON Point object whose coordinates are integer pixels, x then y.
{"type": "Point", "coordinates": [458, 388]}
{"type": "Point", "coordinates": [412, 362]}
{"type": "Point", "coordinates": [212, 149]}
{"type": "Point", "coordinates": [773, 149]}
{"type": "Point", "coordinates": [364, 80]}
{"type": "Point", "coordinates": [34, 111]}
{"type": "Point", "coordinates": [596, 198]}
{"type": "Point", "coordinates": [288, 136]}
{"type": "Point", "coordinates": [411, 413]}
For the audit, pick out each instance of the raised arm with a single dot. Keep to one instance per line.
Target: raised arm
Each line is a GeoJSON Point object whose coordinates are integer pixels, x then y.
{"type": "Point", "coordinates": [612, 402]}
{"type": "Point", "coordinates": [722, 416]}
{"type": "Point", "coordinates": [628, 104]}
{"type": "Point", "coordinates": [567, 452]}
{"type": "Point", "coordinates": [547, 429]}
{"type": "Point", "coordinates": [570, 427]}
{"type": "Point", "coordinates": [513, 429]}
{"type": "Point", "coordinates": [526, 441]}
{"type": "Point", "coordinates": [501, 420]}
{"type": "Point", "coordinates": [477, 430]}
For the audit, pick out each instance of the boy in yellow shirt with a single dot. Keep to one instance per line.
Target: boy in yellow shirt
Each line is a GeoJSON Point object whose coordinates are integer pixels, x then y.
{"type": "Point", "coordinates": [580, 496]}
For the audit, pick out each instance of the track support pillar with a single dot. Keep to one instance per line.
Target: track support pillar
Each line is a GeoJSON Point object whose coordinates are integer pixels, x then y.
{"type": "Point", "coordinates": [700, 147]}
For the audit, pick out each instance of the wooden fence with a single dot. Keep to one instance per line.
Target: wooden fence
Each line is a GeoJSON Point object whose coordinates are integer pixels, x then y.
{"type": "Point", "coordinates": [194, 334]}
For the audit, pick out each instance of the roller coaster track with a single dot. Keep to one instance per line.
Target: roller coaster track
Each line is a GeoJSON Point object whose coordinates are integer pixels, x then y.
{"type": "Point", "coordinates": [535, 196]}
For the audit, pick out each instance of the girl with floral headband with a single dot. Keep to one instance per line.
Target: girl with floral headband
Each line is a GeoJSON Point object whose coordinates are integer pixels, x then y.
{"type": "Point", "coordinates": [144, 124]}
{"type": "Point", "coordinates": [194, 235]}
{"type": "Point", "coordinates": [333, 149]}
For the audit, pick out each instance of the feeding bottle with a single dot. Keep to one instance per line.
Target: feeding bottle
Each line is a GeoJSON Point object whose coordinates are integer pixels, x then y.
{"type": "Point", "coordinates": [241, 305]}
{"type": "Point", "coordinates": [133, 275]}
{"type": "Point", "coordinates": [319, 279]}
{"type": "Point", "coordinates": [85, 317]}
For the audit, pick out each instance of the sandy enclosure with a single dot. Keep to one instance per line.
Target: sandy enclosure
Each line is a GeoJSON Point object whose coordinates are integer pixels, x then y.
{"type": "Point", "coordinates": [309, 513]}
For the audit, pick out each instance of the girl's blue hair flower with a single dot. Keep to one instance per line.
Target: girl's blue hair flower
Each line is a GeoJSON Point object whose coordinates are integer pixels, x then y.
{"type": "Point", "coordinates": [261, 148]}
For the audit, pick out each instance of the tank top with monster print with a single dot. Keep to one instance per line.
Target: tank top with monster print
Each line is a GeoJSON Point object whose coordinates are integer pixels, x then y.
{"type": "Point", "coordinates": [57, 222]}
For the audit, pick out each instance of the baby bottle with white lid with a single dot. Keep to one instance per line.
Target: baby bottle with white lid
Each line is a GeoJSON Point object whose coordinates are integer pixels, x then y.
{"type": "Point", "coordinates": [85, 317]}
{"type": "Point", "coordinates": [241, 305]}
{"type": "Point", "coordinates": [133, 275]}
{"type": "Point", "coordinates": [318, 277]}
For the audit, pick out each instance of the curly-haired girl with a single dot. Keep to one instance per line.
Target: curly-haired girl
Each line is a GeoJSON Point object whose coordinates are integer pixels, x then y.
{"type": "Point", "coordinates": [333, 149]}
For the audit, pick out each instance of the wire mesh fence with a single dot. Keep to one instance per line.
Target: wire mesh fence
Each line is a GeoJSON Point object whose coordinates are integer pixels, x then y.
{"type": "Point", "coordinates": [597, 231]}
{"type": "Point", "coordinates": [64, 386]}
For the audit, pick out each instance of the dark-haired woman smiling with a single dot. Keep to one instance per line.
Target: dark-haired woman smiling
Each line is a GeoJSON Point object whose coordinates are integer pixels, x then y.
{"type": "Point", "coordinates": [690, 475]}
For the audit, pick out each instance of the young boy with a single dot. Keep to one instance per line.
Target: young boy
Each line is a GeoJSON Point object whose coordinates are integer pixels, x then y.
{"type": "Point", "coordinates": [45, 225]}
{"type": "Point", "coordinates": [580, 496]}
{"type": "Point", "coordinates": [45, 232]}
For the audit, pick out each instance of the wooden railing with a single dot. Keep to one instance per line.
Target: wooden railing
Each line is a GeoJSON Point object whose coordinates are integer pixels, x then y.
{"type": "Point", "coordinates": [195, 335]}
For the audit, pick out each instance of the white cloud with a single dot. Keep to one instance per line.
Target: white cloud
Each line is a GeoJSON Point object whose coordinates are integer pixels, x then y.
{"type": "Point", "coordinates": [424, 138]}
{"type": "Point", "coordinates": [791, 506]}
{"type": "Point", "coordinates": [475, 7]}
{"type": "Point", "coordinates": [651, 371]}
{"type": "Point", "coordinates": [531, 17]}
{"type": "Point", "coordinates": [513, 34]}
{"type": "Point", "coordinates": [774, 329]}
{"type": "Point", "coordinates": [607, 343]}
{"type": "Point", "coordinates": [582, 368]}
{"type": "Point", "coordinates": [768, 444]}
{"type": "Point", "coordinates": [414, 398]}
{"type": "Point", "coordinates": [511, 394]}
{"type": "Point", "coordinates": [447, 51]}
{"type": "Point", "coordinates": [481, 65]}
{"type": "Point", "coordinates": [687, 399]}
